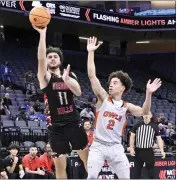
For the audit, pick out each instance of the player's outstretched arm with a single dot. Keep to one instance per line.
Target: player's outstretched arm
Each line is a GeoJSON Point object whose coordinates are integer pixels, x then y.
{"type": "Point", "coordinates": [43, 75]}
{"type": "Point", "coordinates": [150, 88]}
{"type": "Point", "coordinates": [71, 82]}
{"type": "Point", "coordinates": [95, 83]}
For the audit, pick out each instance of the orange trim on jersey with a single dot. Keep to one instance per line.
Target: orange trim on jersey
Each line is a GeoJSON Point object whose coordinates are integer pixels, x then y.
{"type": "Point", "coordinates": [90, 137]}
{"type": "Point", "coordinates": [124, 126]}
{"type": "Point", "coordinates": [125, 104]}
{"type": "Point", "coordinates": [96, 118]}
{"type": "Point", "coordinates": [109, 99]}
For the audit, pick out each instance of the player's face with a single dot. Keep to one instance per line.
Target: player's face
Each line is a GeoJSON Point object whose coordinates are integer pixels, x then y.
{"type": "Point", "coordinates": [53, 61]}
{"type": "Point", "coordinates": [13, 152]}
{"type": "Point", "coordinates": [33, 151]}
{"type": "Point", "coordinates": [116, 87]}
{"type": "Point", "coordinates": [87, 126]}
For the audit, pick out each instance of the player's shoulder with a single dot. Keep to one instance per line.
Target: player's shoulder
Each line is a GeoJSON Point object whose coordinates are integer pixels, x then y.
{"type": "Point", "coordinates": [108, 99]}
{"type": "Point", "coordinates": [105, 103]}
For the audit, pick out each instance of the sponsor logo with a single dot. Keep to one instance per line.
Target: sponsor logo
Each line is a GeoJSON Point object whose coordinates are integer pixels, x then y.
{"type": "Point", "coordinates": [69, 11]}
{"type": "Point", "coordinates": [51, 7]}
{"type": "Point", "coordinates": [167, 174]}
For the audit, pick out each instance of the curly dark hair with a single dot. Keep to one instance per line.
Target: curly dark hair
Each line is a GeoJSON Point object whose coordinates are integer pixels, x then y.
{"type": "Point", "coordinates": [124, 78]}
{"type": "Point", "coordinates": [57, 50]}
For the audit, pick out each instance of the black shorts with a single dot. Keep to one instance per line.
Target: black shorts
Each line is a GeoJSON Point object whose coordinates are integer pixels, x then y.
{"type": "Point", "coordinates": [63, 139]}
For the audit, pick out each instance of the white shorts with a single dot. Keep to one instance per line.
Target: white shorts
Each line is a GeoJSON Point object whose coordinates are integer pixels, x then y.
{"type": "Point", "coordinates": [115, 156]}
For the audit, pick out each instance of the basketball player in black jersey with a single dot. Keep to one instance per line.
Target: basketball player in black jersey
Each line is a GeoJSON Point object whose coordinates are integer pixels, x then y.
{"type": "Point", "coordinates": [60, 87]}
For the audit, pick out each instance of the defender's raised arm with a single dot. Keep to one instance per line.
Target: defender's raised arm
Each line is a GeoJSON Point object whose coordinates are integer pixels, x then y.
{"type": "Point", "coordinates": [95, 83]}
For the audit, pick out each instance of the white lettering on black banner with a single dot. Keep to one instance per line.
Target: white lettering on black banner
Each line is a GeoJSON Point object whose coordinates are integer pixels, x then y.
{"type": "Point", "coordinates": [69, 11]}
{"type": "Point", "coordinates": [10, 4]}
{"type": "Point", "coordinates": [105, 18]}
{"type": "Point", "coordinates": [51, 7]}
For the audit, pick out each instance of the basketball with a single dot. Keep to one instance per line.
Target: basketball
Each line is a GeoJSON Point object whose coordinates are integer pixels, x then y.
{"type": "Point", "coordinates": [40, 16]}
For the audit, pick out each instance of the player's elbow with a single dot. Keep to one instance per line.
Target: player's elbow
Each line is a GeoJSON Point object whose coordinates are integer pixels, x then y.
{"type": "Point", "coordinates": [78, 92]}
{"type": "Point", "coordinates": [144, 112]}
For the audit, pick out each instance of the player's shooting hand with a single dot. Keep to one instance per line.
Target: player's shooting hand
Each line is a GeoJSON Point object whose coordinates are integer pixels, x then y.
{"type": "Point", "coordinates": [91, 44]}
{"type": "Point", "coordinates": [40, 29]}
{"type": "Point", "coordinates": [66, 73]}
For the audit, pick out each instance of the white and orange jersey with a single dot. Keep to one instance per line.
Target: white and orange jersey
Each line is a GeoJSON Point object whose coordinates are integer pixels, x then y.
{"type": "Point", "coordinates": [110, 121]}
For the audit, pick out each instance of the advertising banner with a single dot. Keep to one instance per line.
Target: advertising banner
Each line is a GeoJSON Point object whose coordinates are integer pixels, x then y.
{"type": "Point", "coordinates": [94, 16]}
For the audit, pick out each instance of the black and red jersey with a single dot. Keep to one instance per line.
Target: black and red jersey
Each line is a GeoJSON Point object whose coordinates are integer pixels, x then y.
{"type": "Point", "coordinates": [59, 101]}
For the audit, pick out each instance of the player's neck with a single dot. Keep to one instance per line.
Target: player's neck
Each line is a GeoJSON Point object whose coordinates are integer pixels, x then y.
{"type": "Point", "coordinates": [56, 71]}
{"type": "Point", "coordinates": [117, 97]}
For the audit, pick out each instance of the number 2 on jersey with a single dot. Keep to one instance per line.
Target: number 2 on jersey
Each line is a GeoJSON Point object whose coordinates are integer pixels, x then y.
{"type": "Point", "coordinates": [63, 98]}
{"type": "Point", "coordinates": [111, 124]}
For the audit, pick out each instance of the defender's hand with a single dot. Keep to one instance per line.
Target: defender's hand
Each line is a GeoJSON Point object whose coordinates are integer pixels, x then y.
{"type": "Point", "coordinates": [91, 44]}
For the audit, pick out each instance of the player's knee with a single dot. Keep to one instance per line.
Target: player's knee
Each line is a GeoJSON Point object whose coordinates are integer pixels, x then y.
{"type": "Point", "coordinates": [83, 154]}
{"type": "Point", "coordinates": [60, 163]}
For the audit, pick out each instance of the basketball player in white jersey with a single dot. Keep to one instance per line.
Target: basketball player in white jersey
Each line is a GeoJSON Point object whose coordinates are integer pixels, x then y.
{"type": "Point", "coordinates": [111, 118]}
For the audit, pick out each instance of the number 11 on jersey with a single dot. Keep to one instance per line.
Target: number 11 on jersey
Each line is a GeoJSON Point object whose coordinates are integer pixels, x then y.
{"type": "Point", "coordinates": [63, 98]}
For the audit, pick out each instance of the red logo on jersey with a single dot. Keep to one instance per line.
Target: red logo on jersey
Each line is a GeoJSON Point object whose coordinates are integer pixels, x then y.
{"type": "Point", "coordinates": [59, 86]}
{"type": "Point", "coordinates": [65, 110]}
{"type": "Point", "coordinates": [112, 115]}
